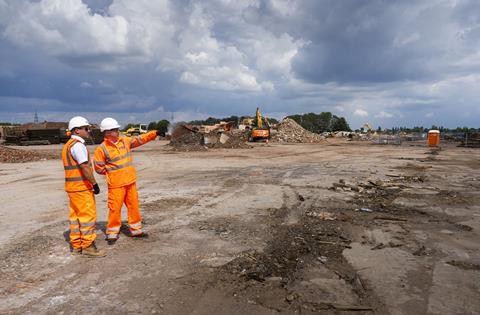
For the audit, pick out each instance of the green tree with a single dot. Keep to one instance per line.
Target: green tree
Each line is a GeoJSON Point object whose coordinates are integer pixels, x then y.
{"type": "Point", "coordinates": [162, 126]}
{"type": "Point", "coordinates": [152, 126]}
{"type": "Point", "coordinates": [324, 121]}
{"type": "Point", "coordinates": [127, 126]}
{"type": "Point", "coordinates": [341, 124]}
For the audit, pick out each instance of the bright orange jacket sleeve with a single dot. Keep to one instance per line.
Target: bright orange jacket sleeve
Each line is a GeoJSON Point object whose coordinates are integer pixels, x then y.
{"type": "Point", "coordinates": [142, 139]}
{"type": "Point", "coordinates": [99, 161]}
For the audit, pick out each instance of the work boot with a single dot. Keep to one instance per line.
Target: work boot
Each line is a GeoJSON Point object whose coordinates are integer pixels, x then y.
{"type": "Point", "coordinates": [93, 251]}
{"type": "Point", "coordinates": [141, 235]}
{"type": "Point", "coordinates": [111, 241]}
{"type": "Point", "coordinates": [76, 251]}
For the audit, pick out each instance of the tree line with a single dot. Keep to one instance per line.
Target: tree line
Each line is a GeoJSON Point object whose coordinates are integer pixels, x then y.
{"type": "Point", "coordinates": [422, 129]}
{"type": "Point", "coordinates": [318, 123]}
{"type": "Point", "coordinates": [235, 119]}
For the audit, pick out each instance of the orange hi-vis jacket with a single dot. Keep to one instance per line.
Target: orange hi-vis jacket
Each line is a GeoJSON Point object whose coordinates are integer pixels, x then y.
{"type": "Point", "coordinates": [115, 159]}
{"type": "Point", "coordinates": [74, 178]}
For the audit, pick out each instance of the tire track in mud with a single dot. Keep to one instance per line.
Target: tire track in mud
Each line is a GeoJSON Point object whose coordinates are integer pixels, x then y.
{"type": "Point", "coordinates": [294, 248]}
{"type": "Point", "coordinates": [291, 250]}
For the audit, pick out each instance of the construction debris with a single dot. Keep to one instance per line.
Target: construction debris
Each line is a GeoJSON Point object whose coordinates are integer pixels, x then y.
{"type": "Point", "coordinates": [192, 138]}
{"type": "Point", "coordinates": [10, 155]}
{"type": "Point", "coordinates": [290, 131]}
{"type": "Point", "coordinates": [471, 141]}
{"type": "Point", "coordinates": [322, 215]}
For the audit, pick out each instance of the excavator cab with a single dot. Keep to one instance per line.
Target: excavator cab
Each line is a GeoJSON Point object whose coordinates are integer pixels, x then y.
{"type": "Point", "coordinates": [261, 128]}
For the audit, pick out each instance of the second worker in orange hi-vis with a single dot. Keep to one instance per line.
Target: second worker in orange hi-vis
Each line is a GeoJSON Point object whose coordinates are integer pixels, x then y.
{"type": "Point", "coordinates": [113, 158]}
{"type": "Point", "coordinates": [80, 186]}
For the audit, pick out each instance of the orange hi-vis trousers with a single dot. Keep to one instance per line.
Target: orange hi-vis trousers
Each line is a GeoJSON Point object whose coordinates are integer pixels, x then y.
{"type": "Point", "coordinates": [82, 217]}
{"type": "Point", "coordinates": [116, 198]}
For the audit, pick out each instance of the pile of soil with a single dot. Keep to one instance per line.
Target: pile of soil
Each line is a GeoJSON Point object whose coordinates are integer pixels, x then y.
{"type": "Point", "coordinates": [10, 155]}
{"type": "Point", "coordinates": [290, 131]}
{"type": "Point", "coordinates": [190, 141]}
{"type": "Point", "coordinates": [236, 140]}
{"type": "Point", "coordinates": [196, 141]}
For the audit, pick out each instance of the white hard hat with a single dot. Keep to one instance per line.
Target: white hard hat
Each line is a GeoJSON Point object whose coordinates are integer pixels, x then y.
{"type": "Point", "coordinates": [109, 124]}
{"type": "Point", "coordinates": [77, 121]}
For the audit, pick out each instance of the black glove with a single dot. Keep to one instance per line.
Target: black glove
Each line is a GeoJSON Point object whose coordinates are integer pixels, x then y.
{"type": "Point", "coordinates": [159, 133]}
{"type": "Point", "coordinates": [96, 189]}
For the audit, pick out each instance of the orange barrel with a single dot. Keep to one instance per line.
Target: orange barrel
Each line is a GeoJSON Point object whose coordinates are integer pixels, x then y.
{"type": "Point", "coordinates": [433, 139]}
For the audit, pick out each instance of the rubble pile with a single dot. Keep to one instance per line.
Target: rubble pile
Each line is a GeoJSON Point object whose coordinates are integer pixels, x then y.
{"type": "Point", "coordinates": [191, 141]}
{"type": "Point", "coordinates": [471, 141]}
{"type": "Point", "coordinates": [10, 155]}
{"type": "Point", "coordinates": [290, 131]}
{"type": "Point", "coordinates": [199, 141]}
{"type": "Point", "coordinates": [235, 139]}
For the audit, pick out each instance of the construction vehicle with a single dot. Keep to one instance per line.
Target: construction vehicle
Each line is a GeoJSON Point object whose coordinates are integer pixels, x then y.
{"type": "Point", "coordinates": [367, 127]}
{"type": "Point", "coordinates": [260, 129]}
{"type": "Point", "coordinates": [136, 130]}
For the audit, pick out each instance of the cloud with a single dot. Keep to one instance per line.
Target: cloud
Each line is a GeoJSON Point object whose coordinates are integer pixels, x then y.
{"type": "Point", "coordinates": [68, 30]}
{"type": "Point", "coordinates": [85, 85]}
{"type": "Point", "coordinates": [383, 114]}
{"type": "Point", "coordinates": [399, 60]}
{"type": "Point", "coordinates": [360, 113]}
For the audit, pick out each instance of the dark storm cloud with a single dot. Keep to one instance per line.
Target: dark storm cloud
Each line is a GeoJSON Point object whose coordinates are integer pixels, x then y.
{"type": "Point", "coordinates": [361, 41]}
{"type": "Point", "coordinates": [98, 6]}
{"type": "Point", "coordinates": [382, 61]}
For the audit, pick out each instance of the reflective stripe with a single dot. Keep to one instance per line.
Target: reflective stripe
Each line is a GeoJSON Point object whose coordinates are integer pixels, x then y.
{"type": "Point", "coordinates": [136, 225]}
{"type": "Point", "coordinates": [113, 230]}
{"type": "Point", "coordinates": [117, 167]}
{"type": "Point", "coordinates": [69, 153]}
{"type": "Point", "coordinates": [105, 151]}
{"type": "Point", "coordinates": [75, 231]}
{"type": "Point", "coordinates": [136, 232]}
{"type": "Point", "coordinates": [99, 163]}
{"type": "Point", "coordinates": [71, 167]}
{"type": "Point", "coordinates": [134, 145]}
{"type": "Point", "coordinates": [75, 179]}
{"type": "Point", "coordinates": [87, 224]}
{"type": "Point", "coordinates": [73, 222]}
{"type": "Point", "coordinates": [121, 157]}
{"type": "Point", "coordinates": [112, 236]}
{"type": "Point", "coordinates": [100, 171]}
{"type": "Point", "coordinates": [88, 232]}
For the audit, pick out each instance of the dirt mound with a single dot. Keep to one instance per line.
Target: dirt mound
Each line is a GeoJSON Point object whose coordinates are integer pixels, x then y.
{"type": "Point", "coordinates": [188, 142]}
{"type": "Point", "coordinates": [196, 141]}
{"type": "Point", "coordinates": [10, 155]}
{"type": "Point", "coordinates": [290, 131]}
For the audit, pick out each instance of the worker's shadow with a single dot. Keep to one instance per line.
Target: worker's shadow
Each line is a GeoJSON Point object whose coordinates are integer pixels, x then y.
{"type": "Point", "coordinates": [101, 226]}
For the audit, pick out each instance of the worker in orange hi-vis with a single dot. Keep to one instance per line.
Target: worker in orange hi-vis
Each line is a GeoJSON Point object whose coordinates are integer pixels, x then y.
{"type": "Point", "coordinates": [80, 186]}
{"type": "Point", "coordinates": [113, 158]}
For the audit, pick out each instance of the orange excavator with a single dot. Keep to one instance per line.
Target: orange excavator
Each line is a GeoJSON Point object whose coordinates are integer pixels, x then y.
{"type": "Point", "coordinates": [260, 129]}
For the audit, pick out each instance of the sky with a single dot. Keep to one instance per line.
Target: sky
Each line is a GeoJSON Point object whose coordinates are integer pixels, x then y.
{"type": "Point", "coordinates": [388, 63]}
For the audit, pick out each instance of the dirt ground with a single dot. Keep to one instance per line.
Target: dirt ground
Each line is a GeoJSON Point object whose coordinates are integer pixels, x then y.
{"type": "Point", "coordinates": [331, 228]}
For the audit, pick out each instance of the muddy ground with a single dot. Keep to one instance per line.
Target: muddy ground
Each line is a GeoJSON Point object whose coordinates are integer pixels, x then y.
{"type": "Point", "coordinates": [331, 228]}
